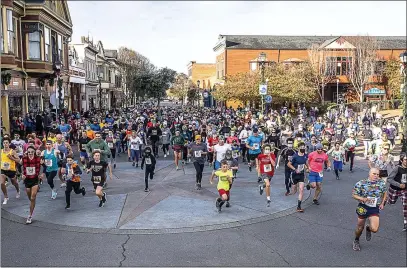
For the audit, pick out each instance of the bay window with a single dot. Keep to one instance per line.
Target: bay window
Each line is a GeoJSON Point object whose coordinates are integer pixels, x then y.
{"type": "Point", "coordinates": [10, 31]}
{"type": "Point", "coordinates": [47, 44]}
{"type": "Point", "coordinates": [34, 46]}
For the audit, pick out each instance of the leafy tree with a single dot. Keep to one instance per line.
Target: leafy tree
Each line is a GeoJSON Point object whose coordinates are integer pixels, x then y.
{"type": "Point", "coordinates": [181, 86]}
{"type": "Point", "coordinates": [158, 82]}
{"type": "Point", "coordinates": [393, 76]}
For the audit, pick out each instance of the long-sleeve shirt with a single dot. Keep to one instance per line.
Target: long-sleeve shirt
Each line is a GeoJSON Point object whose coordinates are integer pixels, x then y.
{"type": "Point", "coordinates": [149, 161]}
{"type": "Point", "coordinates": [73, 170]}
{"type": "Point", "coordinates": [100, 145]}
{"type": "Point", "coordinates": [31, 167]}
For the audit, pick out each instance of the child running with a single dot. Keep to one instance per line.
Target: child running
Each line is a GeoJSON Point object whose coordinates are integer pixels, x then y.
{"type": "Point", "coordinates": [225, 180]}
{"type": "Point", "coordinates": [265, 165]}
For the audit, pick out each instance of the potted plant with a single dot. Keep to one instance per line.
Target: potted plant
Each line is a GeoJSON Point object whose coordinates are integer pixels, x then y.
{"type": "Point", "coordinates": [6, 78]}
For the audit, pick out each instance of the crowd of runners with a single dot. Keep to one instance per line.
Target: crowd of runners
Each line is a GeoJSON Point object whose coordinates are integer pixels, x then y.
{"type": "Point", "coordinates": [305, 145]}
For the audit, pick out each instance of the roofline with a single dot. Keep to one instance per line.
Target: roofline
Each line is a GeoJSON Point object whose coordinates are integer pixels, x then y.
{"type": "Point", "coordinates": [330, 35]}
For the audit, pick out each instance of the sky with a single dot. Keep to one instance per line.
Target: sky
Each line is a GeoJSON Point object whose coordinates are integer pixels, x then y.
{"type": "Point", "coordinates": [173, 33]}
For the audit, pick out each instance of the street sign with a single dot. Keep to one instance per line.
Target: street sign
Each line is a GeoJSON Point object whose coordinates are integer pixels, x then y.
{"type": "Point", "coordinates": [263, 89]}
{"type": "Point", "coordinates": [268, 99]}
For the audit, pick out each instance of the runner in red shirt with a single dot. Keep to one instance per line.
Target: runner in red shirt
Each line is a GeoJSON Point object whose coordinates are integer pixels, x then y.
{"type": "Point", "coordinates": [265, 165]}
{"type": "Point", "coordinates": [212, 141]}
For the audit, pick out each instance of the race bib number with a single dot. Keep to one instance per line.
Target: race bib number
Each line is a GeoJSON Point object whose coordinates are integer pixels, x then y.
{"type": "Point", "coordinates": [5, 166]}
{"type": "Point", "coordinates": [30, 171]}
{"type": "Point", "coordinates": [64, 134]}
{"type": "Point", "coordinates": [227, 135]}
{"type": "Point", "coordinates": [164, 133]}
{"type": "Point", "coordinates": [371, 202]}
{"type": "Point", "coordinates": [154, 132]}
{"type": "Point", "coordinates": [243, 141]}
{"type": "Point", "coordinates": [289, 158]}
{"type": "Point", "coordinates": [110, 145]}
{"type": "Point", "coordinates": [321, 174]}
{"type": "Point", "coordinates": [256, 146]}
{"type": "Point", "coordinates": [197, 154]}
{"type": "Point", "coordinates": [339, 132]}
{"type": "Point", "coordinates": [235, 155]}
{"type": "Point", "coordinates": [404, 178]}
{"type": "Point", "coordinates": [148, 161]}
{"type": "Point", "coordinates": [48, 162]}
{"type": "Point", "coordinates": [97, 179]}
{"type": "Point", "coordinates": [268, 168]}
{"type": "Point", "coordinates": [300, 168]}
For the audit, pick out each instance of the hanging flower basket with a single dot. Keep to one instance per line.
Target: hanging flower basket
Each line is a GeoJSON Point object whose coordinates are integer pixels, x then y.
{"type": "Point", "coordinates": [51, 81]}
{"type": "Point", "coordinates": [6, 78]}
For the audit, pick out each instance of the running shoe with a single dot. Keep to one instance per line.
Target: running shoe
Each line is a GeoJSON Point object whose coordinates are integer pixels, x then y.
{"type": "Point", "coordinates": [146, 190]}
{"type": "Point", "coordinates": [68, 207]}
{"type": "Point", "coordinates": [287, 193]}
{"type": "Point", "coordinates": [308, 187]}
{"type": "Point", "coordinates": [100, 203]}
{"type": "Point", "coordinates": [5, 201]}
{"type": "Point", "coordinates": [268, 203]}
{"type": "Point", "coordinates": [114, 165]}
{"type": "Point", "coordinates": [54, 194]}
{"type": "Point", "coordinates": [405, 227]}
{"type": "Point", "coordinates": [258, 180]}
{"type": "Point", "coordinates": [356, 245]}
{"type": "Point", "coordinates": [227, 204]}
{"type": "Point", "coordinates": [18, 195]}
{"type": "Point", "coordinates": [177, 168]}
{"type": "Point", "coordinates": [83, 191]}
{"type": "Point", "coordinates": [299, 209]}
{"type": "Point", "coordinates": [368, 233]}
{"type": "Point", "coordinates": [133, 164]}
{"type": "Point", "coordinates": [104, 199]}
{"type": "Point", "coordinates": [199, 186]}
{"type": "Point", "coordinates": [315, 201]}
{"type": "Point", "coordinates": [137, 165]}
{"type": "Point", "coordinates": [261, 189]}
{"type": "Point", "coordinates": [63, 185]}
{"type": "Point", "coordinates": [29, 220]}
{"type": "Point", "coordinates": [337, 177]}
{"type": "Point", "coordinates": [250, 168]}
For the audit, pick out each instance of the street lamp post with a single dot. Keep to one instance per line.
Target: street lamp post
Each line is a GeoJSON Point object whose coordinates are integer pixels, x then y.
{"type": "Point", "coordinates": [337, 91]}
{"type": "Point", "coordinates": [197, 91]}
{"type": "Point", "coordinates": [262, 61]}
{"type": "Point", "coordinates": [100, 92]}
{"type": "Point", "coordinates": [57, 69]}
{"type": "Point", "coordinates": [403, 59]}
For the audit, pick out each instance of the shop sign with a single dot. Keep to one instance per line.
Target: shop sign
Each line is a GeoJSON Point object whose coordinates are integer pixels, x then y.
{"type": "Point", "coordinates": [375, 91]}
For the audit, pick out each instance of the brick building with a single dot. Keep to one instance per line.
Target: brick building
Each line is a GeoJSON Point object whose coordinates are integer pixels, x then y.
{"type": "Point", "coordinates": [35, 35]}
{"type": "Point", "coordinates": [239, 53]}
{"type": "Point", "coordinates": [205, 73]}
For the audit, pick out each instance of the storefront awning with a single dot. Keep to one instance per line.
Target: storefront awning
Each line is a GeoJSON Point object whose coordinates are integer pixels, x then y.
{"type": "Point", "coordinates": [375, 91]}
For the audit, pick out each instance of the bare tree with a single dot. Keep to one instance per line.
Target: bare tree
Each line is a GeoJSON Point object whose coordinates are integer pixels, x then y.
{"type": "Point", "coordinates": [321, 72]}
{"type": "Point", "coordinates": [363, 61]}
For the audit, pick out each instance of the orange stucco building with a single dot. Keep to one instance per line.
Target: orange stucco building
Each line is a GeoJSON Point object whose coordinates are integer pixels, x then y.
{"type": "Point", "coordinates": [239, 53]}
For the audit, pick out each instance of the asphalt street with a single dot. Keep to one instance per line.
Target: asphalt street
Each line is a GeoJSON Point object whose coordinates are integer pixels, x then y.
{"type": "Point", "coordinates": [322, 236]}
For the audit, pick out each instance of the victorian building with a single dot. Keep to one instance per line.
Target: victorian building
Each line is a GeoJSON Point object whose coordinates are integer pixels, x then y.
{"type": "Point", "coordinates": [34, 50]}
{"type": "Point", "coordinates": [86, 53]}
{"type": "Point", "coordinates": [77, 81]}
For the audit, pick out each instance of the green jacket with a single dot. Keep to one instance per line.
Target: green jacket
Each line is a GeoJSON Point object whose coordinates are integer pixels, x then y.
{"type": "Point", "coordinates": [101, 145]}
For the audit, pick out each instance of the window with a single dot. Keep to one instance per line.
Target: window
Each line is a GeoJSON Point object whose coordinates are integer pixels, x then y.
{"type": "Point", "coordinates": [10, 31]}
{"type": "Point", "coordinates": [15, 37]}
{"type": "Point", "coordinates": [379, 67]}
{"type": "Point", "coordinates": [253, 66]}
{"type": "Point", "coordinates": [1, 33]}
{"type": "Point", "coordinates": [60, 54]}
{"type": "Point", "coordinates": [47, 44]}
{"type": "Point", "coordinates": [34, 46]}
{"type": "Point", "coordinates": [338, 65]}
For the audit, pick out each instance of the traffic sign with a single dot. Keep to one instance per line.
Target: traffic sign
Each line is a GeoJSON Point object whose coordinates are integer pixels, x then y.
{"type": "Point", "coordinates": [268, 99]}
{"type": "Point", "coordinates": [263, 89]}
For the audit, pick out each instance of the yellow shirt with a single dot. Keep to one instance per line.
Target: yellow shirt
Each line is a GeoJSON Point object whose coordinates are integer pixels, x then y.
{"type": "Point", "coordinates": [54, 139]}
{"type": "Point", "coordinates": [223, 179]}
{"type": "Point", "coordinates": [7, 163]}
{"type": "Point", "coordinates": [101, 125]}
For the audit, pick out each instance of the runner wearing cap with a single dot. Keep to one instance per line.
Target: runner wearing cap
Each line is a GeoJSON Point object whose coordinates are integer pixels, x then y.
{"type": "Point", "coordinates": [315, 163]}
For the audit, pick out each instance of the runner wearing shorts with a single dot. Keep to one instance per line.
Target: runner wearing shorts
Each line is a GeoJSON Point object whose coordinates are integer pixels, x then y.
{"type": "Point", "coordinates": [98, 169]}
{"type": "Point", "coordinates": [9, 160]}
{"type": "Point", "coordinates": [298, 165]}
{"type": "Point", "coordinates": [371, 194]}
{"type": "Point", "coordinates": [225, 179]}
{"type": "Point", "coordinates": [315, 163]}
{"type": "Point", "coordinates": [265, 166]}
{"type": "Point", "coordinates": [31, 176]}
{"type": "Point", "coordinates": [177, 142]}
